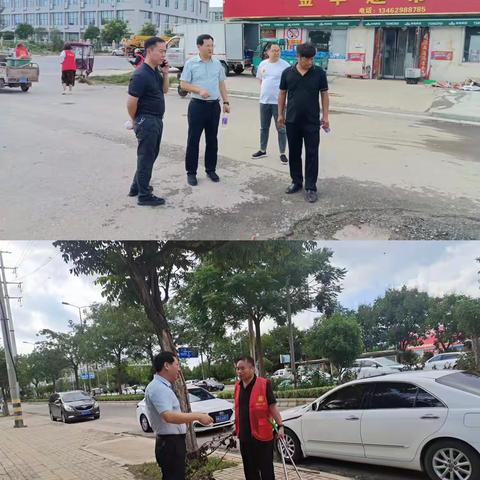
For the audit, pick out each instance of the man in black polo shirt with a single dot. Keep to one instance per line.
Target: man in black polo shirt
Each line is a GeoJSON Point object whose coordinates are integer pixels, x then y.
{"type": "Point", "coordinates": [252, 427]}
{"type": "Point", "coordinates": [300, 86]}
{"type": "Point", "coordinates": [146, 106]}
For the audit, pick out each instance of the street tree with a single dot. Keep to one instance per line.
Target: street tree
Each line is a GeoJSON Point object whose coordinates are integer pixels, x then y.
{"type": "Point", "coordinates": [114, 31]}
{"type": "Point", "coordinates": [467, 313]}
{"type": "Point", "coordinates": [92, 33]}
{"type": "Point", "coordinates": [148, 29]}
{"type": "Point", "coordinates": [73, 346]}
{"type": "Point", "coordinates": [337, 338]}
{"type": "Point", "coordinates": [404, 313]}
{"type": "Point", "coordinates": [277, 342]}
{"type": "Point", "coordinates": [374, 333]}
{"type": "Point", "coordinates": [24, 31]}
{"type": "Point", "coordinates": [250, 282]}
{"type": "Point", "coordinates": [443, 321]}
{"type": "Point", "coordinates": [142, 274]}
{"type": "Point", "coordinates": [51, 363]}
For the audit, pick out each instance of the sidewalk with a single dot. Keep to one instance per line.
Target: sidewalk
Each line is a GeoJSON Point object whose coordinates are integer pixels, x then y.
{"type": "Point", "coordinates": [45, 450]}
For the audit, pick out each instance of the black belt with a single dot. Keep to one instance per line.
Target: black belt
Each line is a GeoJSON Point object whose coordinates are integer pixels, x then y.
{"type": "Point", "coordinates": [204, 101]}
{"type": "Point", "coordinates": [176, 435]}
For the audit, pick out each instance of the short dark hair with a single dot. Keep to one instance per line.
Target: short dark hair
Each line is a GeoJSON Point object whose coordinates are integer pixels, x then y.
{"type": "Point", "coordinates": [247, 359]}
{"type": "Point", "coordinates": [152, 41]}
{"type": "Point", "coordinates": [67, 46]}
{"type": "Point", "coordinates": [270, 45]}
{"type": "Point", "coordinates": [306, 50]}
{"type": "Point", "coordinates": [161, 359]}
{"type": "Point", "coordinates": [203, 37]}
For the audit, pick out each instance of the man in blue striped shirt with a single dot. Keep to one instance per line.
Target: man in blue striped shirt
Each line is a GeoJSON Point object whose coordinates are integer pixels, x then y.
{"type": "Point", "coordinates": [166, 418]}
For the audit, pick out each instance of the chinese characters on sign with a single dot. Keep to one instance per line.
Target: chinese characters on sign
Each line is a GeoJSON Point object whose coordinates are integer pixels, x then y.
{"type": "Point", "coordinates": [305, 3]}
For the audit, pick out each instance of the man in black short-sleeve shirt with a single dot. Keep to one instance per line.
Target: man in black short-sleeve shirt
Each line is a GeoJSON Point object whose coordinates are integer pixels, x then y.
{"type": "Point", "coordinates": [146, 107]}
{"type": "Point", "coordinates": [300, 87]}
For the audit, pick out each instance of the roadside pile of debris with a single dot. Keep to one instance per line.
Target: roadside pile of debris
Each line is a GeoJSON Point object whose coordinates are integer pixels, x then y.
{"type": "Point", "coordinates": [470, 85]}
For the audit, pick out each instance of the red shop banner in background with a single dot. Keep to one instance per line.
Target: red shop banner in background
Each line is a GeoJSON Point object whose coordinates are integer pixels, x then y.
{"type": "Point", "coordinates": [441, 55]}
{"type": "Point", "coordinates": [333, 8]}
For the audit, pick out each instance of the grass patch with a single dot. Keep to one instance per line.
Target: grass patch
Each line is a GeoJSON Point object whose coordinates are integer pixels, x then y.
{"type": "Point", "coordinates": [195, 471]}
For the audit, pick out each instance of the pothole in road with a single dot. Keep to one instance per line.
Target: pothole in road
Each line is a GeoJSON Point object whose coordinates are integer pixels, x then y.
{"type": "Point", "coordinates": [362, 232]}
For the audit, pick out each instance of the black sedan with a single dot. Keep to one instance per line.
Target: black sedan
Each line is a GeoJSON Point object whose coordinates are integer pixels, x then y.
{"type": "Point", "coordinates": [67, 406]}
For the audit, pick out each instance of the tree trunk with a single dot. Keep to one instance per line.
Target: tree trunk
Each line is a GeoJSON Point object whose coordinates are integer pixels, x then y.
{"type": "Point", "coordinates": [251, 341]}
{"type": "Point", "coordinates": [118, 366]}
{"type": "Point", "coordinates": [5, 411]}
{"type": "Point", "coordinates": [149, 294]}
{"type": "Point", "coordinates": [77, 380]}
{"type": "Point", "coordinates": [258, 338]}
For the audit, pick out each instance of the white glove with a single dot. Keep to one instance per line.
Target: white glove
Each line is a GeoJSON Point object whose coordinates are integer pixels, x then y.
{"type": "Point", "coordinates": [128, 125]}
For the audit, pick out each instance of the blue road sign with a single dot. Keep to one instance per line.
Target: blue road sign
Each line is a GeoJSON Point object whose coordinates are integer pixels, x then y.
{"type": "Point", "coordinates": [184, 352]}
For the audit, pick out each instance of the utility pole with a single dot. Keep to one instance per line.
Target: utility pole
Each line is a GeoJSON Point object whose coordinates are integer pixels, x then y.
{"type": "Point", "coordinates": [10, 347]}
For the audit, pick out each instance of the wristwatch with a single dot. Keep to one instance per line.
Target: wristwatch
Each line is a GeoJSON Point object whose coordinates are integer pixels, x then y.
{"type": "Point", "coordinates": [226, 103]}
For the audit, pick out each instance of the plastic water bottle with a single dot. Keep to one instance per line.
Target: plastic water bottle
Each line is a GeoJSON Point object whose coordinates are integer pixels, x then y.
{"type": "Point", "coordinates": [224, 120]}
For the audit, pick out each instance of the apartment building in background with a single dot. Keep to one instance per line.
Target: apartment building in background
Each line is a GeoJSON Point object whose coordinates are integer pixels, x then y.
{"type": "Point", "coordinates": [215, 14]}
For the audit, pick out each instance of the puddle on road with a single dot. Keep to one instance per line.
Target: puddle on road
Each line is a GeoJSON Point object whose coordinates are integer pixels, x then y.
{"type": "Point", "coordinates": [363, 232]}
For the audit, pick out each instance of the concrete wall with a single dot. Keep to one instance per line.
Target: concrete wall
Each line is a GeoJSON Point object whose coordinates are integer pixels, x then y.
{"type": "Point", "coordinates": [450, 39]}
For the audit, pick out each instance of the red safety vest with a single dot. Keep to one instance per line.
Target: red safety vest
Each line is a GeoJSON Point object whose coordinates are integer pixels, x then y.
{"type": "Point", "coordinates": [259, 411]}
{"type": "Point", "coordinates": [142, 59]}
{"type": "Point", "coordinates": [69, 62]}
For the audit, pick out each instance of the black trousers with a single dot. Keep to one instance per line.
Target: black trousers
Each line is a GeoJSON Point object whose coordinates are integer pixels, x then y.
{"type": "Point", "coordinates": [297, 135]}
{"type": "Point", "coordinates": [257, 459]}
{"type": "Point", "coordinates": [202, 116]}
{"type": "Point", "coordinates": [171, 452]}
{"type": "Point", "coordinates": [148, 129]}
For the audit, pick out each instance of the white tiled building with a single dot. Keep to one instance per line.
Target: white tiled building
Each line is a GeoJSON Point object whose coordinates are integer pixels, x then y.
{"type": "Point", "coordinates": [72, 17]}
{"type": "Point", "coordinates": [215, 14]}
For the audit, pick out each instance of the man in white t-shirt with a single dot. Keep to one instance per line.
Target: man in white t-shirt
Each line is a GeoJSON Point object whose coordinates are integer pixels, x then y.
{"type": "Point", "coordinates": [269, 73]}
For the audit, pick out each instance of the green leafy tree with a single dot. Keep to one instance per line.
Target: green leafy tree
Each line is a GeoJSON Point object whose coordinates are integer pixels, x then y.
{"type": "Point", "coordinates": [250, 282]}
{"type": "Point", "coordinates": [24, 31]}
{"type": "Point", "coordinates": [443, 321]}
{"type": "Point", "coordinates": [374, 333]}
{"type": "Point", "coordinates": [277, 342]}
{"type": "Point", "coordinates": [142, 274]}
{"type": "Point", "coordinates": [40, 34]}
{"type": "Point", "coordinates": [56, 39]}
{"type": "Point", "coordinates": [404, 314]}
{"type": "Point", "coordinates": [148, 29]}
{"type": "Point", "coordinates": [337, 338]}
{"type": "Point", "coordinates": [467, 312]}
{"type": "Point", "coordinates": [92, 33]}
{"type": "Point", "coordinates": [114, 31]}
{"type": "Point", "coordinates": [51, 363]}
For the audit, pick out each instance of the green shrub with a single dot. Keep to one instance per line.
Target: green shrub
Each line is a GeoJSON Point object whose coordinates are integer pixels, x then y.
{"type": "Point", "coordinates": [299, 393]}
{"type": "Point", "coordinates": [119, 398]}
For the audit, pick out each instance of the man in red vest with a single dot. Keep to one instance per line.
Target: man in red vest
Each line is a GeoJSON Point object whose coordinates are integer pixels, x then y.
{"type": "Point", "coordinates": [69, 68]}
{"type": "Point", "coordinates": [255, 406]}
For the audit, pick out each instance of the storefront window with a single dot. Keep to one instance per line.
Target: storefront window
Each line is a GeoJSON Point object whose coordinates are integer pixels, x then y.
{"type": "Point", "coordinates": [332, 41]}
{"type": "Point", "coordinates": [472, 45]}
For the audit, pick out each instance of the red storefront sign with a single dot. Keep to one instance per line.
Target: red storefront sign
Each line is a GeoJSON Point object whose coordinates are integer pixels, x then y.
{"type": "Point", "coordinates": [355, 57]}
{"type": "Point", "coordinates": [441, 55]}
{"type": "Point", "coordinates": [338, 8]}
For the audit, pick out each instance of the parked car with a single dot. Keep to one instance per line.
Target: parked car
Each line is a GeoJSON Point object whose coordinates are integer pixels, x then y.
{"type": "Point", "coordinates": [426, 421]}
{"type": "Point", "coordinates": [282, 374]}
{"type": "Point", "coordinates": [201, 401]}
{"type": "Point", "coordinates": [191, 382]}
{"type": "Point", "coordinates": [373, 367]}
{"type": "Point", "coordinates": [211, 385]}
{"type": "Point", "coordinates": [443, 361]}
{"type": "Point", "coordinates": [134, 390]}
{"type": "Point", "coordinates": [118, 52]}
{"type": "Point", "coordinates": [67, 406]}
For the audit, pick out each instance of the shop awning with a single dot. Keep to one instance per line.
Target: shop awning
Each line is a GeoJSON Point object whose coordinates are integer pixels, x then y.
{"type": "Point", "coordinates": [312, 24]}
{"type": "Point", "coordinates": [423, 22]}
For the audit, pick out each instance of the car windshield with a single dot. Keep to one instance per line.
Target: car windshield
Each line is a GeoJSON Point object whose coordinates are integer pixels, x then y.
{"type": "Point", "coordinates": [386, 362]}
{"type": "Point", "coordinates": [198, 395]}
{"type": "Point", "coordinates": [465, 381]}
{"type": "Point", "coordinates": [75, 397]}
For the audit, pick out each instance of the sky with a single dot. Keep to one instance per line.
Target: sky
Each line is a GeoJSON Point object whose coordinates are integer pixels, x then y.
{"type": "Point", "coordinates": [435, 267]}
{"type": "Point", "coordinates": [216, 3]}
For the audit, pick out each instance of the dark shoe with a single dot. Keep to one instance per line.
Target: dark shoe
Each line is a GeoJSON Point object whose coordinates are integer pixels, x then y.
{"type": "Point", "coordinates": [152, 201]}
{"type": "Point", "coordinates": [192, 179]}
{"type": "Point", "coordinates": [293, 188]}
{"type": "Point", "coordinates": [213, 177]}
{"type": "Point", "coordinates": [311, 196]}
{"type": "Point", "coordinates": [283, 158]}
{"type": "Point", "coordinates": [259, 154]}
{"type": "Point", "coordinates": [134, 193]}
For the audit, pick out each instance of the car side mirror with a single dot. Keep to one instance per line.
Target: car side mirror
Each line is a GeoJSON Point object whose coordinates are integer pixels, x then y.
{"type": "Point", "coordinates": [314, 407]}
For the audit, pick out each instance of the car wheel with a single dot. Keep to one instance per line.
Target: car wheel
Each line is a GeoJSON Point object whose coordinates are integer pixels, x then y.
{"type": "Point", "coordinates": [53, 418]}
{"type": "Point", "coordinates": [64, 418]}
{"type": "Point", "coordinates": [145, 424]}
{"type": "Point", "coordinates": [448, 459]}
{"type": "Point", "coordinates": [291, 447]}
{"type": "Point", "coordinates": [96, 417]}
{"type": "Point", "coordinates": [25, 88]}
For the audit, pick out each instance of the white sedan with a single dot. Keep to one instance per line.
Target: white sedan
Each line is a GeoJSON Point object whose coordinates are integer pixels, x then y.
{"type": "Point", "coordinates": [426, 421]}
{"type": "Point", "coordinates": [201, 401]}
{"type": "Point", "coordinates": [443, 361]}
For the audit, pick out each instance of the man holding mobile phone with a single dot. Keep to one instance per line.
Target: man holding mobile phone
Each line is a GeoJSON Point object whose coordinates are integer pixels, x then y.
{"type": "Point", "coordinates": [146, 107]}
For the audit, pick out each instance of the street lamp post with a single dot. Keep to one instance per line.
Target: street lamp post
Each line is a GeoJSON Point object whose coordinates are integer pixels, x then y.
{"type": "Point", "coordinates": [82, 326]}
